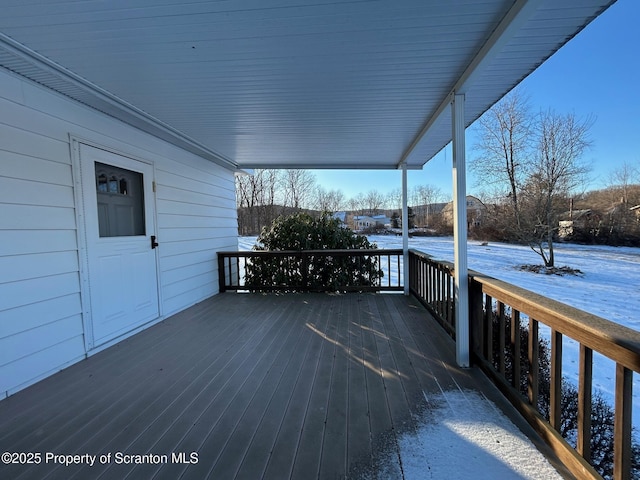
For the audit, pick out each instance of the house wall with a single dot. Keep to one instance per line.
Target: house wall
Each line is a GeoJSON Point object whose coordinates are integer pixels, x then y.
{"type": "Point", "coordinates": [41, 325]}
{"type": "Point", "coordinates": [475, 212]}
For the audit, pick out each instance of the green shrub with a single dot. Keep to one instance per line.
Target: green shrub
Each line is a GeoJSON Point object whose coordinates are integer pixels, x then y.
{"type": "Point", "coordinates": [300, 232]}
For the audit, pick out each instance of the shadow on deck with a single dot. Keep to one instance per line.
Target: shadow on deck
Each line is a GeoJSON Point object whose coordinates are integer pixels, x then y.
{"type": "Point", "coordinates": [249, 386]}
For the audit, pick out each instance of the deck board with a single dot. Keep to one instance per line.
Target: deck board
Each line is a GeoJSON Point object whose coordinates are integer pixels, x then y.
{"type": "Point", "coordinates": [285, 446]}
{"type": "Point", "coordinates": [309, 449]}
{"type": "Point", "coordinates": [259, 386]}
{"type": "Point", "coordinates": [358, 421]}
{"type": "Point", "coordinates": [334, 444]}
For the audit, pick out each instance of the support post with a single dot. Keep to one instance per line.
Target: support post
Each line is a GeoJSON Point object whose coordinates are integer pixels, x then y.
{"type": "Point", "coordinates": [461, 275]}
{"type": "Point", "coordinates": [405, 230]}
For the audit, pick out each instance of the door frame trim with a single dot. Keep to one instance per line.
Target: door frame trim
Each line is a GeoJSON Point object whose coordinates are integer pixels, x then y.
{"type": "Point", "coordinates": [82, 241]}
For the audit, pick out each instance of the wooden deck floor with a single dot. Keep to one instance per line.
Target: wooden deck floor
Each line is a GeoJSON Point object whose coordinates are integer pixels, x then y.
{"type": "Point", "coordinates": [256, 386]}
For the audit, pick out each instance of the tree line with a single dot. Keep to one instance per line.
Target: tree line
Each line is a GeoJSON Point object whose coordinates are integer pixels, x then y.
{"type": "Point", "coordinates": [267, 194]}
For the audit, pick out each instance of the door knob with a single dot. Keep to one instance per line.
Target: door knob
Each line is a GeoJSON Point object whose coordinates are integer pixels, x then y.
{"type": "Point", "coordinates": [154, 244]}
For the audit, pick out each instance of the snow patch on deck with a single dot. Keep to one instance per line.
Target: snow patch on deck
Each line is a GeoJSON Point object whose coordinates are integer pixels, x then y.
{"type": "Point", "coordinates": [464, 435]}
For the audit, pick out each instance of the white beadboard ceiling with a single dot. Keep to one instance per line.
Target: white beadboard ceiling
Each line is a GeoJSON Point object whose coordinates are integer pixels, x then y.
{"type": "Point", "coordinates": [289, 83]}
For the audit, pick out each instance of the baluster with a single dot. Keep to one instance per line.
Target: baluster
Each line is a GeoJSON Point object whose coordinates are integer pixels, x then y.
{"type": "Point", "coordinates": [453, 303]}
{"type": "Point", "coordinates": [442, 300]}
{"type": "Point", "coordinates": [427, 280]}
{"type": "Point", "coordinates": [420, 277]}
{"type": "Point", "coordinates": [221, 276]}
{"type": "Point", "coordinates": [555, 417]}
{"type": "Point", "coordinates": [436, 285]}
{"type": "Point", "coordinates": [533, 377]}
{"type": "Point", "coordinates": [424, 275]}
{"type": "Point", "coordinates": [584, 402]}
{"type": "Point", "coordinates": [487, 325]}
{"type": "Point", "coordinates": [429, 298]}
{"type": "Point", "coordinates": [501, 338]}
{"type": "Point", "coordinates": [476, 316]}
{"type": "Point", "coordinates": [434, 280]}
{"type": "Point", "coordinates": [622, 423]}
{"type": "Point", "coordinates": [515, 349]}
{"type": "Point", "coordinates": [439, 294]}
{"type": "Point", "coordinates": [439, 290]}
{"type": "Point", "coordinates": [450, 317]}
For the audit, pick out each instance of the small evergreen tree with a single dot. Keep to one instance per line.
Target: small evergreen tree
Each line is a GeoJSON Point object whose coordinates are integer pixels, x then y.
{"type": "Point", "coordinates": [395, 220]}
{"type": "Point", "coordinates": [303, 232]}
{"type": "Point", "coordinates": [411, 218]}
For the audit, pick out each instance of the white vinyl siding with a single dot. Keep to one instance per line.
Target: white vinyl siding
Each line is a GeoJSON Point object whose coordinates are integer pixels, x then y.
{"type": "Point", "coordinates": [196, 218]}
{"type": "Point", "coordinates": [41, 325]}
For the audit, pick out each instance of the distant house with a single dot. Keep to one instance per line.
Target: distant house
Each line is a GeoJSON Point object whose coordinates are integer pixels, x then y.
{"type": "Point", "coordinates": [570, 222]}
{"type": "Point", "coordinates": [362, 222]}
{"type": "Point", "coordinates": [476, 211]}
{"type": "Point", "coordinates": [342, 216]}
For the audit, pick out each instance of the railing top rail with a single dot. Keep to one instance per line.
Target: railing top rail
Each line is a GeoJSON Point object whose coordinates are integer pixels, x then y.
{"type": "Point", "coordinates": [350, 251]}
{"type": "Point", "coordinates": [616, 341]}
{"type": "Point", "coordinates": [420, 253]}
{"type": "Point", "coordinates": [425, 256]}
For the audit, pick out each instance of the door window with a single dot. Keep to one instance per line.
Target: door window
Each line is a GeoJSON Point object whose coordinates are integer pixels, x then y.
{"type": "Point", "coordinates": [120, 201]}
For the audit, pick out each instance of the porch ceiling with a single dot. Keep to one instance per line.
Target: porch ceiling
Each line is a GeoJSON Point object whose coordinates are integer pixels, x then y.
{"type": "Point", "coordinates": [278, 83]}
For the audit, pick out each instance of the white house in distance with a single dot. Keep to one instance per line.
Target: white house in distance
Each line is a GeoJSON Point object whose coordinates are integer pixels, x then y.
{"type": "Point", "coordinates": [362, 222]}
{"type": "Point", "coordinates": [122, 124]}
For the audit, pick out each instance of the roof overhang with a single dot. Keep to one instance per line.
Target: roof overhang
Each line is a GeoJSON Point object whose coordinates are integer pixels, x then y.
{"type": "Point", "coordinates": [268, 84]}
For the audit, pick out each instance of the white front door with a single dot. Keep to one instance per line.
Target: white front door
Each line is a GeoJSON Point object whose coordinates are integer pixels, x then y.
{"type": "Point", "coordinates": [119, 220]}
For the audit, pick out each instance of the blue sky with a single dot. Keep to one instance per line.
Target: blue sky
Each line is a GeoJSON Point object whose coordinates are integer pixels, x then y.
{"type": "Point", "coordinates": [597, 73]}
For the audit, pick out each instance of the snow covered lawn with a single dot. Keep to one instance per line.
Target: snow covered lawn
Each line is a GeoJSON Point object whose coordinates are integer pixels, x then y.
{"type": "Point", "coordinates": [609, 286]}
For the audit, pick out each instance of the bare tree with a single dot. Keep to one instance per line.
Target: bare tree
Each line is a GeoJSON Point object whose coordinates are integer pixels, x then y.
{"type": "Point", "coordinates": [505, 147]}
{"type": "Point", "coordinates": [247, 193]}
{"type": "Point", "coordinates": [298, 187]}
{"type": "Point", "coordinates": [623, 194]}
{"type": "Point", "coordinates": [621, 179]}
{"type": "Point", "coordinates": [394, 199]}
{"type": "Point", "coordinates": [423, 198]}
{"type": "Point", "coordinates": [374, 202]}
{"type": "Point", "coordinates": [533, 163]}
{"type": "Point", "coordinates": [329, 200]}
{"type": "Point", "coordinates": [256, 197]}
{"type": "Point", "coordinates": [557, 169]}
{"type": "Point", "coordinates": [356, 205]}
{"type": "Point", "coordinates": [271, 180]}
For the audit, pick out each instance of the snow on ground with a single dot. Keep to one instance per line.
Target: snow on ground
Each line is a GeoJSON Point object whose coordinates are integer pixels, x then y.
{"type": "Point", "coordinates": [609, 287]}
